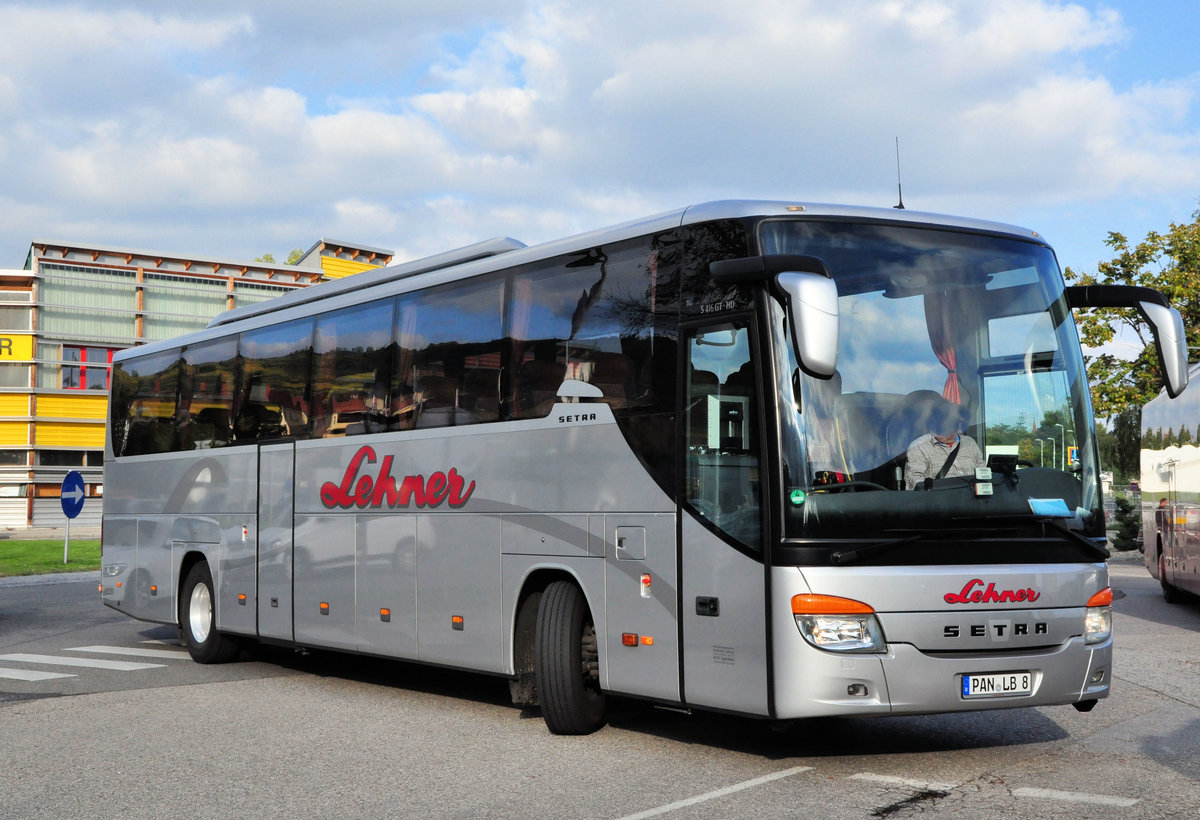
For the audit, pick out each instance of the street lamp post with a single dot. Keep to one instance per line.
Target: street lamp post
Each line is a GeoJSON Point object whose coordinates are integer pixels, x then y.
{"type": "Point", "coordinates": [1063, 466]}
{"type": "Point", "coordinates": [1041, 451]}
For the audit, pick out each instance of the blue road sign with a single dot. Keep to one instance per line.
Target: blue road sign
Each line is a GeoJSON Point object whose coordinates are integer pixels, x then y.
{"type": "Point", "coordinates": [72, 494]}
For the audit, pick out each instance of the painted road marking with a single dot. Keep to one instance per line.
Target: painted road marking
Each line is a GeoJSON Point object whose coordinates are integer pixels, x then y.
{"type": "Point", "coordinates": [94, 663]}
{"type": "Point", "coordinates": [1077, 797]}
{"type": "Point", "coordinates": [702, 798]}
{"type": "Point", "coordinates": [30, 675]}
{"type": "Point", "coordinates": [163, 654]}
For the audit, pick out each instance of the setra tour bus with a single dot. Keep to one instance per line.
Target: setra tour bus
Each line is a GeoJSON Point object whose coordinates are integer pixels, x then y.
{"type": "Point", "coordinates": [1170, 487]}
{"type": "Point", "coordinates": [665, 460]}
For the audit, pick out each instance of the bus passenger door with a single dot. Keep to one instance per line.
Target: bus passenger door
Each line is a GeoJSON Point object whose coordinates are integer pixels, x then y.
{"type": "Point", "coordinates": [722, 577]}
{"type": "Point", "coordinates": [276, 508]}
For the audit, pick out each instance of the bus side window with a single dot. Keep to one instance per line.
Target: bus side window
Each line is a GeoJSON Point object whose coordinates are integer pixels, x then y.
{"type": "Point", "coordinates": [206, 394]}
{"type": "Point", "coordinates": [274, 396]}
{"type": "Point", "coordinates": [449, 355]}
{"type": "Point", "coordinates": [143, 407]}
{"type": "Point", "coordinates": [352, 367]}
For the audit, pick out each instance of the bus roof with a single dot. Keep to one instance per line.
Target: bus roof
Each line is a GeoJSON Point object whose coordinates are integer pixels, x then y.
{"type": "Point", "coordinates": [727, 209]}
{"type": "Point", "coordinates": [482, 257]}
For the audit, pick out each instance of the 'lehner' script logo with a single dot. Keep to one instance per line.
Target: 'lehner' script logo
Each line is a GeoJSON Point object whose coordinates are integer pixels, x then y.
{"type": "Point", "coordinates": [383, 490]}
{"type": "Point", "coordinates": [971, 595]}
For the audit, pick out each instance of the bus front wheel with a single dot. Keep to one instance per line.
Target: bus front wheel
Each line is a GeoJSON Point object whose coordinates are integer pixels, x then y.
{"type": "Point", "coordinates": [198, 621]}
{"type": "Point", "coordinates": [567, 662]}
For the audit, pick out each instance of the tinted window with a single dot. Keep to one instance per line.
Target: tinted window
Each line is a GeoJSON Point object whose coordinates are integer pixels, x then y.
{"type": "Point", "coordinates": [207, 387]}
{"type": "Point", "coordinates": [143, 404]}
{"type": "Point", "coordinates": [276, 365]}
{"type": "Point", "coordinates": [352, 369]}
{"type": "Point", "coordinates": [448, 358]}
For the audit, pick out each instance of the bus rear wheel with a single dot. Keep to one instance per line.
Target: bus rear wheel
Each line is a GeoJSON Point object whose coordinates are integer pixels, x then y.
{"type": "Point", "coordinates": [198, 619]}
{"type": "Point", "coordinates": [1170, 594]}
{"type": "Point", "coordinates": [567, 662]}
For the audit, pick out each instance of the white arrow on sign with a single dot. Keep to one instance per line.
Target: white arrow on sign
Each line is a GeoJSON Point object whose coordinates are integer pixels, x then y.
{"type": "Point", "coordinates": [75, 493]}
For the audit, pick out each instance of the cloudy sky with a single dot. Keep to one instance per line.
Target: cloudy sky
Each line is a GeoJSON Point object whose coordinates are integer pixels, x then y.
{"type": "Point", "coordinates": [235, 129]}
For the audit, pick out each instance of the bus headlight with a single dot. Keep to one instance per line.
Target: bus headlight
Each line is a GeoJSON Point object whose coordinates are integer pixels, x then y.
{"type": "Point", "coordinates": [1097, 626]}
{"type": "Point", "coordinates": [838, 624]}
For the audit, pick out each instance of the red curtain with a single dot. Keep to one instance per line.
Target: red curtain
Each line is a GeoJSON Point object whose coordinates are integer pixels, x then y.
{"type": "Point", "coordinates": [939, 323]}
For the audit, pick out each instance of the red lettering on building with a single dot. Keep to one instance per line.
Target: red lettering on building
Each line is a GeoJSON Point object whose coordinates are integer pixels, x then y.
{"type": "Point", "coordinates": [971, 594]}
{"type": "Point", "coordinates": [359, 488]}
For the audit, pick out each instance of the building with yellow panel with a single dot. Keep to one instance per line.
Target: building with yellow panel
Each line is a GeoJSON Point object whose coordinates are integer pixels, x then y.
{"type": "Point", "coordinates": [64, 315]}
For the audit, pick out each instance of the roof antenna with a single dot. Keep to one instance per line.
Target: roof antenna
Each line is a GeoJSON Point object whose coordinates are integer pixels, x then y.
{"type": "Point", "coordinates": [899, 189]}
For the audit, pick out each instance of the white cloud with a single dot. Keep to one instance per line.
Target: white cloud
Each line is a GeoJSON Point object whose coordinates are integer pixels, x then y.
{"type": "Point", "coordinates": [430, 126]}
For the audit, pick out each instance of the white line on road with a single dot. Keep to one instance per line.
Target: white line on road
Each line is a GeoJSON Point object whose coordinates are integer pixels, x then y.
{"type": "Point", "coordinates": [164, 654]}
{"type": "Point", "coordinates": [701, 798]}
{"type": "Point", "coordinates": [891, 780]}
{"type": "Point", "coordinates": [31, 675]}
{"type": "Point", "coordinates": [95, 663]}
{"type": "Point", "coordinates": [1077, 797]}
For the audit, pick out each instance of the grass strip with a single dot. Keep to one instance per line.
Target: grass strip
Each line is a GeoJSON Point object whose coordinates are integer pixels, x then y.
{"type": "Point", "coordinates": [45, 556]}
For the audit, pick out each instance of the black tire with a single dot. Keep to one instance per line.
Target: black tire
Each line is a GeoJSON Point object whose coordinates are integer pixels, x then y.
{"type": "Point", "coordinates": [1170, 594]}
{"type": "Point", "coordinates": [566, 662]}
{"type": "Point", "coordinates": [198, 619]}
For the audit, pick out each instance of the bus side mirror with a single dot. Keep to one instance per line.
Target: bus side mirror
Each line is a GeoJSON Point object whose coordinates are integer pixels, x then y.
{"type": "Point", "coordinates": [813, 316]}
{"type": "Point", "coordinates": [1165, 323]}
{"type": "Point", "coordinates": [812, 301]}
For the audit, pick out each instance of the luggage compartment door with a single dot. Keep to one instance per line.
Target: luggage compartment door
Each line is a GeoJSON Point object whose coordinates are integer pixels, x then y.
{"type": "Point", "coordinates": [276, 513]}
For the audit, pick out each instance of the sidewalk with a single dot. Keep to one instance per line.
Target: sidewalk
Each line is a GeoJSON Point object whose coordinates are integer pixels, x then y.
{"type": "Point", "coordinates": [81, 532]}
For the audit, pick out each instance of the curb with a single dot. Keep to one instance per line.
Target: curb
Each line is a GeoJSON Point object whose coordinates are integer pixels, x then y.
{"type": "Point", "coordinates": [89, 576]}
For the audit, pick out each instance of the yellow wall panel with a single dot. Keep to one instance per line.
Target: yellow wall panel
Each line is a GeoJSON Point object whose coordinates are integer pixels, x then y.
{"type": "Point", "coordinates": [14, 404]}
{"type": "Point", "coordinates": [336, 268]}
{"type": "Point", "coordinates": [14, 434]}
{"type": "Point", "coordinates": [61, 434]}
{"type": "Point", "coordinates": [87, 405]}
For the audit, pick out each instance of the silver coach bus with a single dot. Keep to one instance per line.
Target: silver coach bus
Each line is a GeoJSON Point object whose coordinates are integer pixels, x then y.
{"type": "Point", "coordinates": [664, 460]}
{"type": "Point", "coordinates": [1170, 487]}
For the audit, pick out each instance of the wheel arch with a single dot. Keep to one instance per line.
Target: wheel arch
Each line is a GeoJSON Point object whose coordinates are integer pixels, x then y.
{"type": "Point", "coordinates": [524, 623]}
{"type": "Point", "coordinates": [189, 560]}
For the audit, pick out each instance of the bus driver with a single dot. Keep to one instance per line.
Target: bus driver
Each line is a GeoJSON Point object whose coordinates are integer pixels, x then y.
{"type": "Point", "coordinates": [945, 452]}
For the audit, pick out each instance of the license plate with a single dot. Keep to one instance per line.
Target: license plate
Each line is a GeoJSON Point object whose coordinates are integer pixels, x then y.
{"type": "Point", "coordinates": [997, 685]}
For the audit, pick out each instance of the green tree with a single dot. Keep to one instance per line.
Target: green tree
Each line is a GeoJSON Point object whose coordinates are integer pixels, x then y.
{"type": "Point", "coordinates": [1128, 521]}
{"type": "Point", "coordinates": [292, 258]}
{"type": "Point", "coordinates": [1126, 445]}
{"type": "Point", "coordinates": [1168, 262]}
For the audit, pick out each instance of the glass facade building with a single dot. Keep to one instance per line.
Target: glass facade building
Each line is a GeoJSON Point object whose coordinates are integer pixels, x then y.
{"type": "Point", "coordinates": [64, 315]}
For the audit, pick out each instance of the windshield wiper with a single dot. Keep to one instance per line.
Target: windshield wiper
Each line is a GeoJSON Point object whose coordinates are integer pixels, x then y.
{"type": "Point", "coordinates": [1053, 523]}
{"type": "Point", "coordinates": [850, 556]}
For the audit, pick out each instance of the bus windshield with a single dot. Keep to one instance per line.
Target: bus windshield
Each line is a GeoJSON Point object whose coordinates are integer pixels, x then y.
{"type": "Point", "coordinates": [959, 404]}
